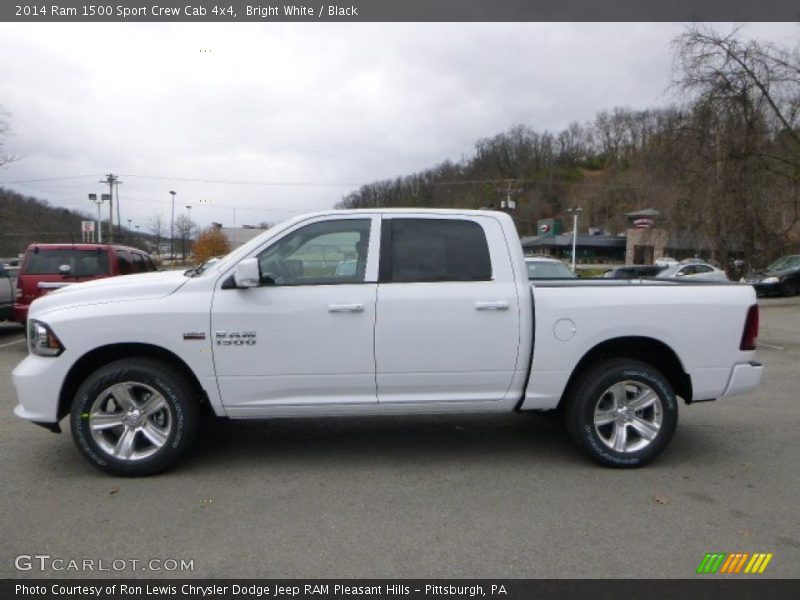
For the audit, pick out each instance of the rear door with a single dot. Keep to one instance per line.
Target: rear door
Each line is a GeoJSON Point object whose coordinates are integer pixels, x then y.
{"type": "Point", "coordinates": [447, 326]}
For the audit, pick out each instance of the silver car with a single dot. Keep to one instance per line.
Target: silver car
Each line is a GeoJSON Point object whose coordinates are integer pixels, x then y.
{"type": "Point", "coordinates": [540, 267]}
{"type": "Point", "coordinates": [693, 271]}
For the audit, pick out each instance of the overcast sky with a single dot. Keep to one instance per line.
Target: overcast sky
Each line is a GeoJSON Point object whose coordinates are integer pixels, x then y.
{"type": "Point", "coordinates": [296, 115]}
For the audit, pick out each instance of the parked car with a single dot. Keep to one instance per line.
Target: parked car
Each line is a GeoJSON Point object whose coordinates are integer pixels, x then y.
{"type": "Point", "coordinates": [633, 271]}
{"type": "Point", "coordinates": [6, 294]}
{"type": "Point", "coordinates": [48, 267]}
{"type": "Point", "coordinates": [693, 270]}
{"type": "Point", "coordinates": [442, 319]}
{"type": "Point", "coordinates": [541, 267]}
{"type": "Point", "coordinates": [780, 277]}
{"type": "Point", "coordinates": [665, 261]}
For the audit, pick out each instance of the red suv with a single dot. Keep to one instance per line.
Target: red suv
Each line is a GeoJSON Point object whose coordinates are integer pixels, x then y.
{"type": "Point", "coordinates": [47, 267]}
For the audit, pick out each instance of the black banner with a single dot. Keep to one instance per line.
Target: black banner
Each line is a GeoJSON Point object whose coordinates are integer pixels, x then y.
{"type": "Point", "coordinates": [400, 10]}
{"type": "Point", "coordinates": [405, 589]}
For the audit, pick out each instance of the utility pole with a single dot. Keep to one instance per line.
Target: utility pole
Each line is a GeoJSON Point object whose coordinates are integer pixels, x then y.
{"type": "Point", "coordinates": [172, 230]}
{"type": "Point", "coordinates": [508, 204]}
{"type": "Point", "coordinates": [119, 212]}
{"type": "Point", "coordinates": [111, 180]}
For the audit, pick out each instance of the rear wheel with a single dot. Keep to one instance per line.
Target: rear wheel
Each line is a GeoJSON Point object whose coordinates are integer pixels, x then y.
{"type": "Point", "coordinates": [134, 417]}
{"type": "Point", "coordinates": [622, 412]}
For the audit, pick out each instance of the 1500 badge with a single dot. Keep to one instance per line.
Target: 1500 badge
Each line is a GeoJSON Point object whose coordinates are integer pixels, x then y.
{"type": "Point", "coordinates": [235, 338]}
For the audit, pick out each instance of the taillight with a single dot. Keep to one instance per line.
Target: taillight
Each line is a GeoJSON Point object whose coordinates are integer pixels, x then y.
{"type": "Point", "coordinates": [18, 291]}
{"type": "Point", "coordinates": [750, 329]}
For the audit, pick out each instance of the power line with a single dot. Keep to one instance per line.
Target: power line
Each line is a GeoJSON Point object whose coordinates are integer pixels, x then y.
{"type": "Point", "coordinates": [248, 182]}
{"type": "Point", "coordinates": [51, 179]}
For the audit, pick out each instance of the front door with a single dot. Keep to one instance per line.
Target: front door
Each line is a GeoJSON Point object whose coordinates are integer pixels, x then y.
{"type": "Point", "coordinates": [304, 336]}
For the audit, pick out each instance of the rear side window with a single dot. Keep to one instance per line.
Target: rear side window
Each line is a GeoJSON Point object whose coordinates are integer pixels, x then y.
{"type": "Point", "coordinates": [78, 263]}
{"type": "Point", "coordinates": [124, 261]}
{"type": "Point", "coordinates": [434, 250]}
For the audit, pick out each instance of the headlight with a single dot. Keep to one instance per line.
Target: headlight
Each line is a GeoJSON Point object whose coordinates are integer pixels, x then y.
{"type": "Point", "coordinates": [770, 280]}
{"type": "Point", "coordinates": [42, 341]}
{"type": "Point", "coordinates": [742, 280]}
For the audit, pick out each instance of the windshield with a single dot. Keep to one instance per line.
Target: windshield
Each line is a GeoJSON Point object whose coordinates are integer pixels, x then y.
{"type": "Point", "coordinates": [669, 272]}
{"type": "Point", "coordinates": [238, 253]}
{"type": "Point", "coordinates": [785, 262]}
{"type": "Point", "coordinates": [544, 269]}
{"type": "Point", "coordinates": [68, 262]}
{"type": "Point", "coordinates": [204, 266]}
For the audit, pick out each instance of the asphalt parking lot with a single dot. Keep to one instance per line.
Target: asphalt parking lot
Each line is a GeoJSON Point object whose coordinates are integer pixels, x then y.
{"type": "Point", "coordinates": [468, 496]}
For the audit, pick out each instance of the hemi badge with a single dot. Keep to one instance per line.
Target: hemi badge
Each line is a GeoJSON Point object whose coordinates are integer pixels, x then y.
{"type": "Point", "coordinates": [192, 335]}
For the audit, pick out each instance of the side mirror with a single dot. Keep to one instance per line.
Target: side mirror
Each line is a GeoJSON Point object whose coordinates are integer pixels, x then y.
{"type": "Point", "coordinates": [247, 273]}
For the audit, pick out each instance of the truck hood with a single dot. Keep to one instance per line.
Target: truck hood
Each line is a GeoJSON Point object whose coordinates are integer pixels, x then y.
{"type": "Point", "coordinates": [112, 289]}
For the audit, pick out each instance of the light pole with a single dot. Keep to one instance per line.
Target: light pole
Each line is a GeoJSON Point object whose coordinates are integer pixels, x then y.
{"type": "Point", "coordinates": [575, 212]}
{"type": "Point", "coordinates": [99, 202]}
{"type": "Point", "coordinates": [172, 230]}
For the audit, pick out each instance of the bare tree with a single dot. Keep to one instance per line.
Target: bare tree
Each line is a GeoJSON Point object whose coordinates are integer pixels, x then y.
{"type": "Point", "coordinates": [5, 130]}
{"type": "Point", "coordinates": [155, 225]}
{"type": "Point", "coordinates": [745, 107]}
{"type": "Point", "coordinates": [184, 227]}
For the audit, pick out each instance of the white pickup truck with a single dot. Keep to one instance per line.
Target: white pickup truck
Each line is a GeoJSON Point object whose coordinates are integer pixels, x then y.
{"type": "Point", "coordinates": [371, 312]}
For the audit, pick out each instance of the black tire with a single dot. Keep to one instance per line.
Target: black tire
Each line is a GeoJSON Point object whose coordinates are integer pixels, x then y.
{"type": "Point", "coordinates": [789, 287]}
{"type": "Point", "coordinates": [592, 401]}
{"type": "Point", "coordinates": [156, 434]}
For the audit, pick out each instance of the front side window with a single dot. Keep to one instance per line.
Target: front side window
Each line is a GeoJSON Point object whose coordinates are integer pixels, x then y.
{"type": "Point", "coordinates": [435, 250]}
{"type": "Point", "coordinates": [328, 252]}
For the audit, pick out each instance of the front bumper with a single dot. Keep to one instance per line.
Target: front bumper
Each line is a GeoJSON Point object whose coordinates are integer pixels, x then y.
{"type": "Point", "coordinates": [38, 381]}
{"type": "Point", "coordinates": [745, 377]}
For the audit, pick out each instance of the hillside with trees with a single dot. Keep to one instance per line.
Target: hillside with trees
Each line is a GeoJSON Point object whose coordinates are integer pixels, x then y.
{"type": "Point", "coordinates": [24, 219]}
{"type": "Point", "coordinates": [723, 166]}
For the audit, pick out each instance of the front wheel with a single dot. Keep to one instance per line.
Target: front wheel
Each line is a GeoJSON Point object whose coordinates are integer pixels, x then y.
{"type": "Point", "coordinates": [789, 288]}
{"type": "Point", "coordinates": [622, 412]}
{"type": "Point", "coordinates": [134, 417]}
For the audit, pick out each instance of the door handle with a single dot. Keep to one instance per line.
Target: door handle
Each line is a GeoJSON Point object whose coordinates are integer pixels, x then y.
{"type": "Point", "coordinates": [344, 308]}
{"type": "Point", "coordinates": [493, 305]}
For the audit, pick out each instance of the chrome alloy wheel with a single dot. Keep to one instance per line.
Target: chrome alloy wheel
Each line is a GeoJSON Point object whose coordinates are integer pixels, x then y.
{"type": "Point", "coordinates": [628, 416]}
{"type": "Point", "coordinates": [130, 421]}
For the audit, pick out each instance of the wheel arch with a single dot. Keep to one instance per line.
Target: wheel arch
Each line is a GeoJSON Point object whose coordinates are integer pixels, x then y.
{"type": "Point", "coordinates": [103, 355]}
{"type": "Point", "coordinates": [644, 349]}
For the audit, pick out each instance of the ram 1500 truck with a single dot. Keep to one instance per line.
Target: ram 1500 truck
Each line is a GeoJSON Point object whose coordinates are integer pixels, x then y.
{"type": "Point", "coordinates": [371, 312]}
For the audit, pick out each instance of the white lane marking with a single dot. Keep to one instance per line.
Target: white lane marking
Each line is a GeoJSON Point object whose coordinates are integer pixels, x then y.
{"type": "Point", "coordinates": [12, 343]}
{"type": "Point", "coordinates": [771, 346]}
